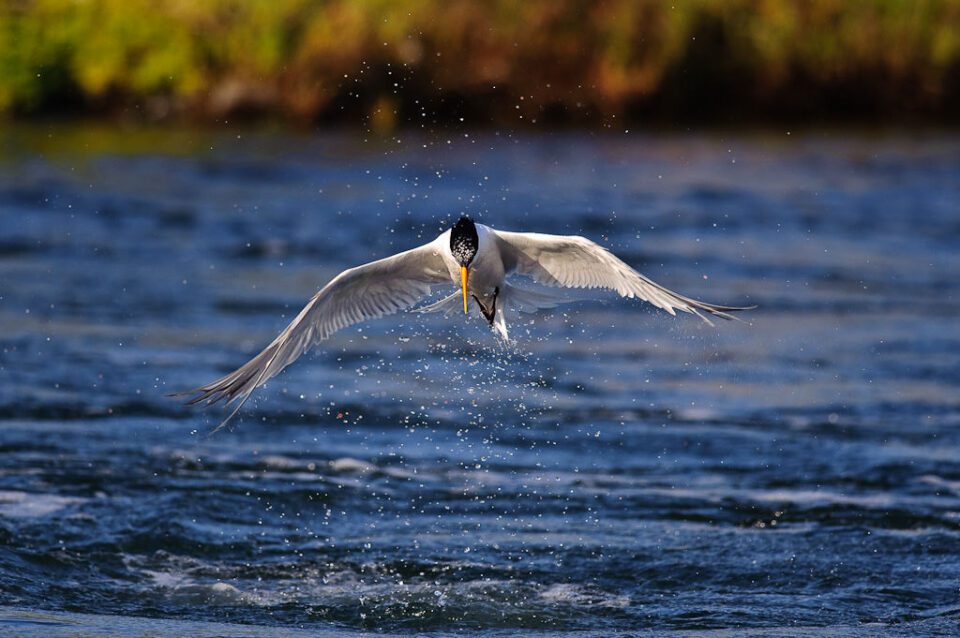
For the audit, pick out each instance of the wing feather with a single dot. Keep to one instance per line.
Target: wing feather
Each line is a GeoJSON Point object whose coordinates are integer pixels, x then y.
{"type": "Point", "coordinates": [366, 292]}
{"type": "Point", "coordinates": [577, 262]}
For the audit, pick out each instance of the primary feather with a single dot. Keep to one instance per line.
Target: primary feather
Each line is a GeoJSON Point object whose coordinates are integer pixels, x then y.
{"type": "Point", "coordinates": [577, 262]}
{"type": "Point", "coordinates": [367, 292]}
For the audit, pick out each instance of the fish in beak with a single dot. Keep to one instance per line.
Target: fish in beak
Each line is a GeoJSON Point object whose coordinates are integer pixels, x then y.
{"type": "Point", "coordinates": [464, 276]}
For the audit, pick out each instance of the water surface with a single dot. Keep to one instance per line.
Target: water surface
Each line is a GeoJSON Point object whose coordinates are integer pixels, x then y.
{"type": "Point", "coordinates": [615, 471]}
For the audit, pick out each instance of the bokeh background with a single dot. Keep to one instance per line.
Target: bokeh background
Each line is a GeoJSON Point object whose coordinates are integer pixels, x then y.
{"type": "Point", "coordinates": [178, 178]}
{"type": "Point", "coordinates": [501, 63]}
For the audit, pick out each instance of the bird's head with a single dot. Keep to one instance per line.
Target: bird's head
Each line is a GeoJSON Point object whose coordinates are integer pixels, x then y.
{"type": "Point", "coordinates": [464, 243]}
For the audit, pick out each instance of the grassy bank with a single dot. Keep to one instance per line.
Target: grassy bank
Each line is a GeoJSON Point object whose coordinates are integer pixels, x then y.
{"type": "Point", "coordinates": [504, 62]}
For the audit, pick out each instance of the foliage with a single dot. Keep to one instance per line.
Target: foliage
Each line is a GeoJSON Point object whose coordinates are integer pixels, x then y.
{"type": "Point", "coordinates": [494, 60]}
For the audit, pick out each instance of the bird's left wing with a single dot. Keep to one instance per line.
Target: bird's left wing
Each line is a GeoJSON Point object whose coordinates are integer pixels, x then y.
{"type": "Point", "coordinates": [370, 291]}
{"type": "Point", "coordinates": [577, 262]}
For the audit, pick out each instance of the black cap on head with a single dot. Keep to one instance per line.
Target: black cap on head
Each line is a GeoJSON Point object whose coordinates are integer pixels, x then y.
{"type": "Point", "coordinates": [464, 241]}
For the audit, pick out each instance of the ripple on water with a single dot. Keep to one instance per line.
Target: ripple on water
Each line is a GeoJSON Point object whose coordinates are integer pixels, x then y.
{"type": "Point", "coordinates": [614, 471]}
{"type": "Point", "coordinates": [24, 505]}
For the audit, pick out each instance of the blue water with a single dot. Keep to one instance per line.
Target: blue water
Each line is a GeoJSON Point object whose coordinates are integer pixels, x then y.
{"type": "Point", "coordinates": [615, 471]}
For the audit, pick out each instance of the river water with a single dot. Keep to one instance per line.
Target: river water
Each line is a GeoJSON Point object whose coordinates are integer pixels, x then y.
{"type": "Point", "coordinates": [614, 471]}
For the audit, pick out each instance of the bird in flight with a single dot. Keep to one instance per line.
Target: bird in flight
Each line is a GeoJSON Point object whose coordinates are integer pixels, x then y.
{"type": "Point", "coordinates": [475, 258]}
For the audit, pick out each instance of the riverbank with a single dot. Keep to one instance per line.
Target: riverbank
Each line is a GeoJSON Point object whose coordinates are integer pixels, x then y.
{"type": "Point", "coordinates": [388, 64]}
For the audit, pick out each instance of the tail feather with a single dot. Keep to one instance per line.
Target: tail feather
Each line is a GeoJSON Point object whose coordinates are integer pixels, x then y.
{"type": "Point", "coordinates": [523, 299]}
{"type": "Point", "coordinates": [448, 305]}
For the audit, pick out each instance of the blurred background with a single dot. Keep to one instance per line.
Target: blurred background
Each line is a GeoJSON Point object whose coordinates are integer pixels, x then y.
{"type": "Point", "coordinates": [178, 178]}
{"type": "Point", "coordinates": [567, 62]}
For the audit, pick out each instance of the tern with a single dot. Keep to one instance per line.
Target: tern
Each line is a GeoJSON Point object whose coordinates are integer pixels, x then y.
{"type": "Point", "coordinates": [473, 257]}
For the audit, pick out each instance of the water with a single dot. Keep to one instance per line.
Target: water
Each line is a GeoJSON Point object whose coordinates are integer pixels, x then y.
{"type": "Point", "coordinates": [614, 472]}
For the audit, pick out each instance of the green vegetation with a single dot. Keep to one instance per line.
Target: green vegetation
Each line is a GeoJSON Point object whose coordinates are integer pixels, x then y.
{"type": "Point", "coordinates": [499, 61]}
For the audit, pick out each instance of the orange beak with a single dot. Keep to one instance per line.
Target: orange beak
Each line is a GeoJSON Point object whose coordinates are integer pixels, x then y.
{"type": "Point", "coordinates": [464, 276]}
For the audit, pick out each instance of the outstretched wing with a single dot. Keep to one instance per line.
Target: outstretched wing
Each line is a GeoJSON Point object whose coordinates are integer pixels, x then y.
{"type": "Point", "coordinates": [576, 262]}
{"type": "Point", "coordinates": [370, 291]}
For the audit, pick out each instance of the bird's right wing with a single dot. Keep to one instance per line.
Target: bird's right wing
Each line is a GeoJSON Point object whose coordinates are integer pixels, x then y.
{"type": "Point", "coordinates": [366, 292]}
{"type": "Point", "coordinates": [577, 262]}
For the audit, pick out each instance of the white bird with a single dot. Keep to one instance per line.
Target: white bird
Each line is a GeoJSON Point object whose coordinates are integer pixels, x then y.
{"type": "Point", "coordinates": [474, 257]}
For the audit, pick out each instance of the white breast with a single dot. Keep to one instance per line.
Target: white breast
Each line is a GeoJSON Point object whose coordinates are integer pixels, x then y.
{"type": "Point", "coordinates": [486, 270]}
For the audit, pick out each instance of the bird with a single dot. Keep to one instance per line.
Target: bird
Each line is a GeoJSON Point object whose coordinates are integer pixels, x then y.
{"type": "Point", "coordinates": [486, 265]}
